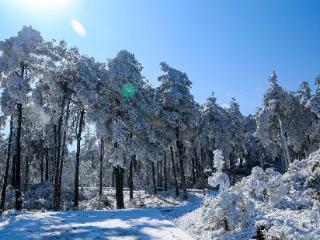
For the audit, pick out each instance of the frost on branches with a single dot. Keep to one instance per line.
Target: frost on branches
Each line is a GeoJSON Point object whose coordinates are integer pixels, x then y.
{"type": "Point", "coordinates": [266, 203]}
{"type": "Point", "coordinates": [219, 178]}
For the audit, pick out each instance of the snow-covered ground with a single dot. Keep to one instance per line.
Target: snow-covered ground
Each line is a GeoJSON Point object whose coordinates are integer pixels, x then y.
{"type": "Point", "coordinates": [111, 224]}
{"type": "Point", "coordinates": [264, 205]}
{"type": "Point", "coordinates": [151, 223]}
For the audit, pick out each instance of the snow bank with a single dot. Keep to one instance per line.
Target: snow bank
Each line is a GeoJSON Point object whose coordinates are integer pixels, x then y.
{"type": "Point", "coordinates": [265, 205]}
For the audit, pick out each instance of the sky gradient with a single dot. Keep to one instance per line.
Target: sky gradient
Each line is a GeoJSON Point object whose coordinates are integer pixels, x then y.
{"type": "Point", "coordinates": [229, 47]}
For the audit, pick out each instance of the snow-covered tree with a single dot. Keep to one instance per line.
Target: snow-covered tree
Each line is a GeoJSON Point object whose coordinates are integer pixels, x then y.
{"type": "Point", "coordinates": [19, 66]}
{"type": "Point", "coordinates": [285, 126]}
{"type": "Point", "coordinates": [236, 140]}
{"type": "Point", "coordinates": [304, 93]}
{"type": "Point", "coordinates": [131, 127]}
{"type": "Point", "coordinates": [219, 178]}
{"type": "Point", "coordinates": [178, 110]}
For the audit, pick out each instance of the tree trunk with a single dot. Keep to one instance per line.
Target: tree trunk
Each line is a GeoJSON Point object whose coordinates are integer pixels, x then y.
{"type": "Point", "coordinates": [41, 167]}
{"type": "Point", "coordinates": [13, 170]}
{"type": "Point", "coordinates": [233, 166]}
{"type": "Point", "coordinates": [160, 174]}
{"type": "Point", "coordinates": [55, 147]}
{"type": "Point", "coordinates": [118, 174]}
{"type": "Point", "coordinates": [199, 168]}
{"type": "Point", "coordinates": [203, 157]}
{"type": "Point", "coordinates": [285, 145]}
{"type": "Point", "coordinates": [193, 171]}
{"type": "Point", "coordinates": [5, 177]}
{"type": "Point", "coordinates": [26, 182]}
{"type": "Point", "coordinates": [174, 172]}
{"type": "Point", "coordinates": [165, 170]}
{"type": "Point", "coordinates": [17, 170]}
{"type": "Point", "coordinates": [101, 165]}
{"type": "Point", "coordinates": [63, 146]}
{"type": "Point", "coordinates": [181, 158]}
{"type": "Point", "coordinates": [47, 165]}
{"type": "Point", "coordinates": [76, 172]}
{"type": "Point", "coordinates": [196, 162]}
{"type": "Point", "coordinates": [18, 199]}
{"type": "Point", "coordinates": [210, 159]}
{"type": "Point", "coordinates": [169, 170]}
{"type": "Point", "coordinates": [56, 191]}
{"type": "Point", "coordinates": [154, 187]}
{"type": "Point", "coordinates": [130, 177]}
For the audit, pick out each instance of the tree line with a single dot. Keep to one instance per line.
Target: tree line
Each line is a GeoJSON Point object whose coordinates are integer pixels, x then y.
{"type": "Point", "coordinates": [127, 133]}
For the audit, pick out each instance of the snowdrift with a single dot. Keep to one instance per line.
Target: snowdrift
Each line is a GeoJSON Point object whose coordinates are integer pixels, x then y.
{"type": "Point", "coordinates": [264, 205]}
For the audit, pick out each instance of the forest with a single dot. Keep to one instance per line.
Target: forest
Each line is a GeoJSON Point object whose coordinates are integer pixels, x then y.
{"type": "Point", "coordinates": [73, 127]}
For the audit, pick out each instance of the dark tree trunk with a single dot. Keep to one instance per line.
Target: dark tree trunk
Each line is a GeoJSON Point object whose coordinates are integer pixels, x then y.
{"type": "Point", "coordinates": [63, 146]}
{"type": "Point", "coordinates": [198, 168]}
{"type": "Point", "coordinates": [203, 157]}
{"type": "Point", "coordinates": [159, 171]}
{"type": "Point", "coordinates": [13, 170]}
{"type": "Point", "coordinates": [154, 187]}
{"type": "Point", "coordinates": [181, 158]}
{"type": "Point", "coordinates": [210, 159]}
{"type": "Point", "coordinates": [17, 170]}
{"type": "Point", "coordinates": [158, 174]}
{"type": "Point", "coordinates": [26, 174]}
{"type": "Point", "coordinates": [42, 167]}
{"type": "Point", "coordinates": [118, 174]}
{"type": "Point", "coordinates": [165, 170]}
{"type": "Point", "coordinates": [174, 172]}
{"type": "Point", "coordinates": [47, 165]}
{"type": "Point", "coordinates": [233, 167]}
{"type": "Point", "coordinates": [6, 173]}
{"type": "Point", "coordinates": [101, 165]}
{"type": "Point", "coordinates": [76, 172]}
{"type": "Point", "coordinates": [54, 162]}
{"type": "Point", "coordinates": [130, 177]}
{"type": "Point", "coordinates": [18, 199]}
{"type": "Point", "coordinates": [193, 171]}
{"type": "Point", "coordinates": [56, 190]}
{"type": "Point", "coordinates": [169, 170]}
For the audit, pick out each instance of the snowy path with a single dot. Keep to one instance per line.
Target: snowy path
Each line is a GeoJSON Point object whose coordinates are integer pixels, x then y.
{"type": "Point", "coordinates": [113, 224]}
{"type": "Point", "coordinates": [125, 224]}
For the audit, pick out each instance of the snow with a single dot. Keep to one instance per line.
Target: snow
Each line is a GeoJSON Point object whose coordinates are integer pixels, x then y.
{"type": "Point", "coordinates": [151, 223]}
{"type": "Point", "coordinates": [219, 178]}
{"type": "Point", "coordinates": [124, 224]}
{"type": "Point", "coordinates": [266, 202]}
{"type": "Point", "coordinates": [276, 205]}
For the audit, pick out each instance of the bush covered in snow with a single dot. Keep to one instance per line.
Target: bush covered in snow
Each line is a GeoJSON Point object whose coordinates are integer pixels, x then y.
{"type": "Point", "coordinates": [96, 203]}
{"type": "Point", "coordinates": [230, 212]}
{"type": "Point", "coordinates": [9, 204]}
{"type": "Point", "coordinates": [266, 203]}
{"type": "Point", "coordinates": [40, 196]}
{"type": "Point", "coordinates": [219, 178]}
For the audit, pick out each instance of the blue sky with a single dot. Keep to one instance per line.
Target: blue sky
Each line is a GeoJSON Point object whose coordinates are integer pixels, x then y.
{"type": "Point", "coordinates": [229, 47]}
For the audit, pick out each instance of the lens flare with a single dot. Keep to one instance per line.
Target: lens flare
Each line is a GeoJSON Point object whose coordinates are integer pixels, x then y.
{"type": "Point", "coordinates": [128, 90]}
{"type": "Point", "coordinates": [78, 27]}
